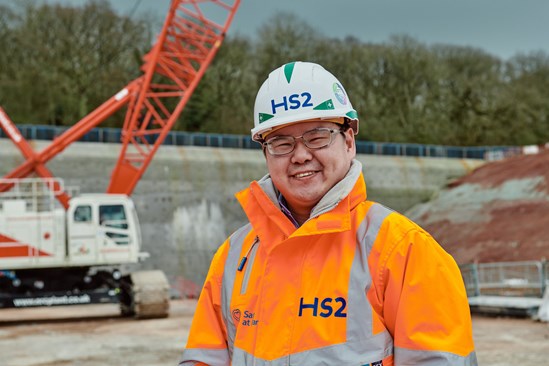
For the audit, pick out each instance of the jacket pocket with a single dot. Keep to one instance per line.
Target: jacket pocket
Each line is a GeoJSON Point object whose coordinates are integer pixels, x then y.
{"type": "Point", "coordinates": [246, 264]}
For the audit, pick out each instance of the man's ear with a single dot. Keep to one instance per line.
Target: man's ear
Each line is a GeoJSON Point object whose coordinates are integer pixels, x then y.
{"type": "Point", "coordinates": [350, 141]}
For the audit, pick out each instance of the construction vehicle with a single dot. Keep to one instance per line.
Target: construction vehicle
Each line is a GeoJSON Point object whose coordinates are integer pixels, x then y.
{"type": "Point", "coordinates": [58, 248]}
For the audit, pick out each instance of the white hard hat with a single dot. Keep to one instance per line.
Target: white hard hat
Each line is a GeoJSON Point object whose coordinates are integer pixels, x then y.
{"type": "Point", "coordinates": [297, 92]}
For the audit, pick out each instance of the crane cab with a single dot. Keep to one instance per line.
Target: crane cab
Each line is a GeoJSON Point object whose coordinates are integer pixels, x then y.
{"type": "Point", "coordinates": [103, 229]}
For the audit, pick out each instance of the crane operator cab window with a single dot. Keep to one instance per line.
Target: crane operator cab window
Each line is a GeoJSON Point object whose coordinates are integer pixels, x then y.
{"type": "Point", "coordinates": [83, 214]}
{"type": "Point", "coordinates": [113, 219]}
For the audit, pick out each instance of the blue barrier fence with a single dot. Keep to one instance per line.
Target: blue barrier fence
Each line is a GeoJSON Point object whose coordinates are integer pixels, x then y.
{"type": "Point", "coordinates": [180, 138]}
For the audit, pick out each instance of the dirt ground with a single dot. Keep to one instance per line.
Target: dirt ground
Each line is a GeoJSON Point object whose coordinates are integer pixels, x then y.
{"type": "Point", "coordinates": [94, 335]}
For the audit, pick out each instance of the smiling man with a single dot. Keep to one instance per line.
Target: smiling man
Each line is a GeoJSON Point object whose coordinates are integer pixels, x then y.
{"type": "Point", "coordinates": [321, 275]}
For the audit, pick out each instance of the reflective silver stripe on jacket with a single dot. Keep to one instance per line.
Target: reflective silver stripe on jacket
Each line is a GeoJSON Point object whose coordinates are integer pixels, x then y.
{"type": "Point", "coordinates": [217, 357]}
{"type": "Point", "coordinates": [405, 357]}
{"type": "Point", "coordinates": [362, 347]}
{"type": "Point", "coordinates": [222, 357]}
{"type": "Point", "coordinates": [352, 352]}
{"type": "Point", "coordinates": [359, 319]}
{"type": "Point", "coordinates": [227, 284]}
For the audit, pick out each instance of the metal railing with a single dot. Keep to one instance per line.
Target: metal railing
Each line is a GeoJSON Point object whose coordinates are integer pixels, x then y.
{"type": "Point", "coordinates": [525, 279]}
{"type": "Point", "coordinates": [181, 138]}
{"type": "Point", "coordinates": [35, 194]}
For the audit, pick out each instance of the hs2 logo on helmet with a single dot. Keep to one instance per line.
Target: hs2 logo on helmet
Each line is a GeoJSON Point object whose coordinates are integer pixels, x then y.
{"type": "Point", "coordinates": [294, 101]}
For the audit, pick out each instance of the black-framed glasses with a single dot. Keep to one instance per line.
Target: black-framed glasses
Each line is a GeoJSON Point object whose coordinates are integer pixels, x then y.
{"type": "Point", "coordinates": [313, 139]}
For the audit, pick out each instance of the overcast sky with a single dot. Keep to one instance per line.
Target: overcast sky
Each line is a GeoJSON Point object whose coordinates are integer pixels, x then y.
{"type": "Point", "coordinates": [501, 27]}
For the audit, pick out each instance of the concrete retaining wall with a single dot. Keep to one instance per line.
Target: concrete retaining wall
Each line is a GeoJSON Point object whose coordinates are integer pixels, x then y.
{"type": "Point", "coordinates": [186, 203]}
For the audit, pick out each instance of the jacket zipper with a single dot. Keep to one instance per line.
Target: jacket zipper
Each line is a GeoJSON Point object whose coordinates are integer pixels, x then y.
{"type": "Point", "coordinates": [250, 256]}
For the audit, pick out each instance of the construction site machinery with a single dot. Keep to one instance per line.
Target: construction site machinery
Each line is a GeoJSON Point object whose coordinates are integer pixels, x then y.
{"type": "Point", "coordinates": [58, 248]}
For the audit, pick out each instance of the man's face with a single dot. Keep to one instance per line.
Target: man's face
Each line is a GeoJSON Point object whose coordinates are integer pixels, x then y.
{"type": "Point", "coordinates": [305, 175]}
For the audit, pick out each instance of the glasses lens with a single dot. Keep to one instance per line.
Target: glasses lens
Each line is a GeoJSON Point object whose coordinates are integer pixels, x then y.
{"type": "Point", "coordinates": [316, 139]}
{"type": "Point", "coordinates": [281, 145]}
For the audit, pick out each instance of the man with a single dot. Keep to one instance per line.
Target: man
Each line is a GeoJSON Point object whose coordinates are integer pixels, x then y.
{"type": "Point", "coordinates": [320, 275]}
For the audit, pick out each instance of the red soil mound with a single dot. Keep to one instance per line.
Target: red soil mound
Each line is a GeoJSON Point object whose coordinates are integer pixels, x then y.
{"type": "Point", "coordinates": [517, 167]}
{"type": "Point", "coordinates": [511, 225]}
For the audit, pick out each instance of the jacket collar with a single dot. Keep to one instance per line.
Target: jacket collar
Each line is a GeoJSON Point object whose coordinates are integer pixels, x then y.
{"type": "Point", "coordinates": [331, 214]}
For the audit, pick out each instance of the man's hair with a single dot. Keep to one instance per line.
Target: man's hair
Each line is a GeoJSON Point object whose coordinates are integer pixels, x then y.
{"type": "Point", "coordinates": [346, 125]}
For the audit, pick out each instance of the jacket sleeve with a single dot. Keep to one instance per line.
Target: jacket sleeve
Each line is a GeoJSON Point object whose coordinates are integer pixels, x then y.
{"type": "Point", "coordinates": [207, 341]}
{"type": "Point", "coordinates": [423, 301]}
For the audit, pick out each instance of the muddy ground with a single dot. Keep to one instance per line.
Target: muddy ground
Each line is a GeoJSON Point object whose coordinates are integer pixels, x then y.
{"type": "Point", "coordinates": [94, 335]}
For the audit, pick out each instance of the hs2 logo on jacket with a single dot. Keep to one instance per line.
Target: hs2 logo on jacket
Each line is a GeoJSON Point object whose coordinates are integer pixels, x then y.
{"type": "Point", "coordinates": [328, 306]}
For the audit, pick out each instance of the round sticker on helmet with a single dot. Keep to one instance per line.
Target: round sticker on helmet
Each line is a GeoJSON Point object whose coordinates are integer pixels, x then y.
{"type": "Point", "coordinates": [340, 94]}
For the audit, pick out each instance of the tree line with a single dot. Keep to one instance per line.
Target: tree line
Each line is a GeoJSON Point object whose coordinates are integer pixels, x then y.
{"type": "Point", "coordinates": [58, 63]}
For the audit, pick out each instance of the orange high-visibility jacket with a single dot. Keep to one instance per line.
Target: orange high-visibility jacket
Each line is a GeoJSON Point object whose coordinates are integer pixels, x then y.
{"type": "Point", "coordinates": [357, 284]}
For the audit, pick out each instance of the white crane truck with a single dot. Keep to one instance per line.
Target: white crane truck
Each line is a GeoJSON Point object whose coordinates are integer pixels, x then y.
{"type": "Point", "coordinates": [60, 249]}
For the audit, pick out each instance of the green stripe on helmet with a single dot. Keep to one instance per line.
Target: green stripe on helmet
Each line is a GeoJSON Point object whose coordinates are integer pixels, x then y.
{"type": "Point", "coordinates": [264, 117]}
{"type": "Point", "coordinates": [352, 114]}
{"type": "Point", "coordinates": [288, 71]}
{"type": "Point", "coordinates": [326, 105]}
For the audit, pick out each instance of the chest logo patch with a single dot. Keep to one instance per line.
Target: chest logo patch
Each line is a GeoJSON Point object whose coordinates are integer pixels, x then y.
{"type": "Point", "coordinates": [236, 315]}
